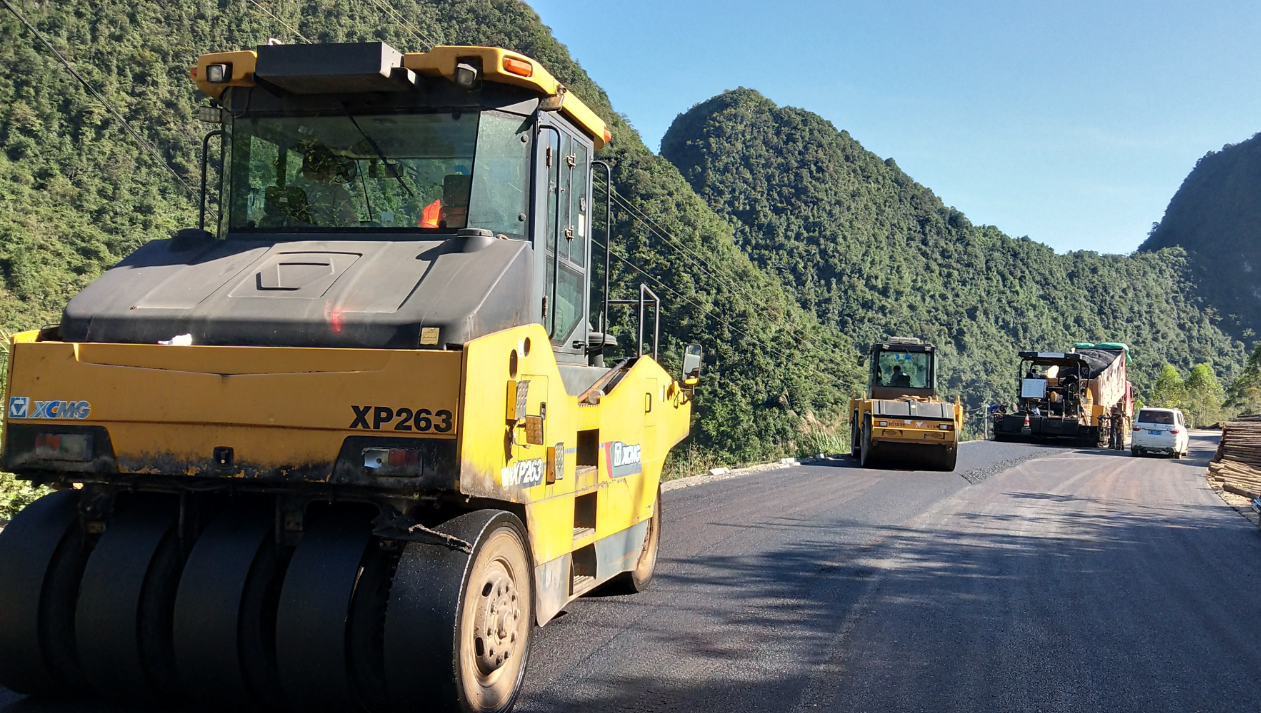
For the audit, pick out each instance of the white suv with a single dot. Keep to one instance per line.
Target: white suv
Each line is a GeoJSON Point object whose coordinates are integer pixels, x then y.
{"type": "Point", "coordinates": [1160, 430]}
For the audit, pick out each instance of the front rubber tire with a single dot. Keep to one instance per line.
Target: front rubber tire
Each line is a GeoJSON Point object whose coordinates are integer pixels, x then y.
{"type": "Point", "coordinates": [459, 624]}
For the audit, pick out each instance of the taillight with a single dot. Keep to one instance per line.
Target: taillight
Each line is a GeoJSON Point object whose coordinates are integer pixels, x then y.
{"type": "Point", "coordinates": [1138, 428]}
{"type": "Point", "coordinates": [393, 461]}
{"type": "Point", "coordinates": [1175, 430]}
{"type": "Point", "coordinates": [63, 446]}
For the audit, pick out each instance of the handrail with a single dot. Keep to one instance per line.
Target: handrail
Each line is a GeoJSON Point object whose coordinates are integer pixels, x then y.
{"type": "Point", "coordinates": [205, 151]}
{"type": "Point", "coordinates": [551, 303]}
{"type": "Point", "coordinates": [656, 317]}
{"type": "Point", "coordinates": [608, 239]}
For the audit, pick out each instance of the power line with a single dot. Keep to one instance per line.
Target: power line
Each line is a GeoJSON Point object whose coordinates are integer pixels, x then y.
{"type": "Point", "coordinates": [676, 243]}
{"type": "Point", "coordinates": [286, 25]}
{"type": "Point", "coordinates": [144, 143]}
{"type": "Point", "coordinates": [385, 6]}
{"type": "Point", "coordinates": [657, 281]}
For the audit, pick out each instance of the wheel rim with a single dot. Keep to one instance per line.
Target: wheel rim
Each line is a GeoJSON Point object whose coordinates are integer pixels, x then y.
{"type": "Point", "coordinates": [498, 612]}
{"type": "Point", "coordinates": [496, 623]}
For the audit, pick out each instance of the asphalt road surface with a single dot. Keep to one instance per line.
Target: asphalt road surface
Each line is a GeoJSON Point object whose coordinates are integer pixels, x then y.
{"type": "Point", "coordinates": [1066, 581]}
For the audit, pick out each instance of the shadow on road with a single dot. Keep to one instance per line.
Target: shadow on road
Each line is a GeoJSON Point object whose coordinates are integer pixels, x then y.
{"type": "Point", "coordinates": [1111, 599]}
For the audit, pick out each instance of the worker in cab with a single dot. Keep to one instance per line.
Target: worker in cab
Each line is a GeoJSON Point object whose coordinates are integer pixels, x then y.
{"type": "Point", "coordinates": [323, 179]}
{"type": "Point", "coordinates": [899, 378]}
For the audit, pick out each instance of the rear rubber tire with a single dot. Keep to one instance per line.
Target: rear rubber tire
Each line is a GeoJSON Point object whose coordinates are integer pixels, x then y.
{"type": "Point", "coordinates": [312, 635]}
{"type": "Point", "coordinates": [438, 654]}
{"type": "Point", "coordinates": [126, 605]}
{"type": "Point", "coordinates": [42, 554]}
{"type": "Point", "coordinates": [638, 579]}
{"type": "Point", "coordinates": [225, 613]}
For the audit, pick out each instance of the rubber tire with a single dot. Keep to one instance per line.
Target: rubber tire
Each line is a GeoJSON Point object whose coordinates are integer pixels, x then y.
{"type": "Point", "coordinates": [126, 604]}
{"type": "Point", "coordinates": [42, 554]}
{"type": "Point", "coordinates": [424, 641]}
{"type": "Point", "coordinates": [1176, 455]}
{"type": "Point", "coordinates": [225, 611]}
{"type": "Point", "coordinates": [1134, 453]}
{"type": "Point", "coordinates": [312, 632]}
{"type": "Point", "coordinates": [638, 579]}
{"type": "Point", "coordinates": [867, 458]}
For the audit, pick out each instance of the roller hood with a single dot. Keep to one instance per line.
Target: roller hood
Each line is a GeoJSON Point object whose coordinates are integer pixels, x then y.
{"type": "Point", "coordinates": [309, 293]}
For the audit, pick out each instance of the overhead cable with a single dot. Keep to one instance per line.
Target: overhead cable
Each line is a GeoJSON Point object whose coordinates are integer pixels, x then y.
{"type": "Point", "coordinates": [384, 6]}
{"type": "Point", "coordinates": [144, 143]}
{"type": "Point", "coordinates": [677, 244]}
{"type": "Point", "coordinates": [286, 25]}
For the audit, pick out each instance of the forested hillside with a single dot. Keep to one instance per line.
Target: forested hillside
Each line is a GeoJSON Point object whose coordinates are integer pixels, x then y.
{"type": "Point", "coordinates": [77, 192]}
{"type": "Point", "coordinates": [1216, 217]}
{"type": "Point", "coordinates": [874, 253]}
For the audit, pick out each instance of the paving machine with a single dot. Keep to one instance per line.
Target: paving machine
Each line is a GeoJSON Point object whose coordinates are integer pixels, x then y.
{"type": "Point", "coordinates": [348, 446]}
{"type": "Point", "coordinates": [1080, 396]}
{"type": "Point", "coordinates": [901, 416]}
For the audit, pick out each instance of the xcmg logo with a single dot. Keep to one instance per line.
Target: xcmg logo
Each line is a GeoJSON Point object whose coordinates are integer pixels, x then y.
{"type": "Point", "coordinates": [623, 459]}
{"type": "Point", "coordinates": [23, 407]}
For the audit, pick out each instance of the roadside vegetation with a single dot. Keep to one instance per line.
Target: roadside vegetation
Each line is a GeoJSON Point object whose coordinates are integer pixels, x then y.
{"type": "Point", "coordinates": [1200, 395]}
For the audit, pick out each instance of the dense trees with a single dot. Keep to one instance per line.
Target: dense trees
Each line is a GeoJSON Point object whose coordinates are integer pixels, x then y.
{"type": "Point", "coordinates": [874, 253]}
{"type": "Point", "coordinates": [77, 193]}
{"type": "Point", "coordinates": [1216, 217]}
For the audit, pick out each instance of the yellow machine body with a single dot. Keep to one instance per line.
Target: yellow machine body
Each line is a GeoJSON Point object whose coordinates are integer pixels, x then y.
{"type": "Point", "coordinates": [907, 430]}
{"type": "Point", "coordinates": [585, 489]}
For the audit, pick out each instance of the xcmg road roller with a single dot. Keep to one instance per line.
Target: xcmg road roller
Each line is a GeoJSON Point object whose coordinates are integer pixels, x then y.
{"type": "Point", "coordinates": [901, 417]}
{"type": "Point", "coordinates": [347, 444]}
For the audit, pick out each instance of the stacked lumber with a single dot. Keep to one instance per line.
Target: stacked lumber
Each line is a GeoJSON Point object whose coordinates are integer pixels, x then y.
{"type": "Point", "coordinates": [1237, 463]}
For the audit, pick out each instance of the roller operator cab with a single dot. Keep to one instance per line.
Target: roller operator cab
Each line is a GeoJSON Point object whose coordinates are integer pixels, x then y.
{"type": "Point", "coordinates": [901, 417]}
{"type": "Point", "coordinates": [346, 444]}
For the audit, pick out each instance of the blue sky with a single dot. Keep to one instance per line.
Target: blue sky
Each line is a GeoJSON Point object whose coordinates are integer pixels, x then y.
{"type": "Point", "coordinates": [1070, 122]}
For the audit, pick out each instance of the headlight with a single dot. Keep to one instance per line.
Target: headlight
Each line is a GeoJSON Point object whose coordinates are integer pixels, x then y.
{"type": "Point", "coordinates": [218, 73]}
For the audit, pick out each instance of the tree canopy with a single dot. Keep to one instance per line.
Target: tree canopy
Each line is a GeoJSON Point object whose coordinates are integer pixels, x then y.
{"type": "Point", "coordinates": [875, 254]}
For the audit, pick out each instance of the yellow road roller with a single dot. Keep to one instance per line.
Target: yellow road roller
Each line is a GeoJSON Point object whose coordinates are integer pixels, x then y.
{"type": "Point", "coordinates": [901, 419]}
{"type": "Point", "coordinates": [345, 445]}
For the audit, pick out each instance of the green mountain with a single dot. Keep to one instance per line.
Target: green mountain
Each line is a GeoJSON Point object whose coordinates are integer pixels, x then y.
{"type": "Point", "coordinates": [77, 192]}
{"type": "Point", "coordinates": [874, 253]}
{"type": "Point", "coordinates": [1216, 217]}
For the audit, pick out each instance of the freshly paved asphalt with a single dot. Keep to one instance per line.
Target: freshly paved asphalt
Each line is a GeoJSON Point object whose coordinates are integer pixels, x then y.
{"type": "Point", "coordinates": [1071, 581]}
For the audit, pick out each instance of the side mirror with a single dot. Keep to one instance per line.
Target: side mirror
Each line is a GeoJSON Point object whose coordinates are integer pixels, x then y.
{"type": "Point", "coordinates": [692, 357]}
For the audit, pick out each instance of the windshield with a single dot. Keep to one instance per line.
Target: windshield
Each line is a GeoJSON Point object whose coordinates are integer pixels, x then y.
{"type": "Point", "coordinates": [415, 172]}
{"type": "Point", "coordinates": [1160, 417]}
{"type": "Point", "coordinates": [904, 369]}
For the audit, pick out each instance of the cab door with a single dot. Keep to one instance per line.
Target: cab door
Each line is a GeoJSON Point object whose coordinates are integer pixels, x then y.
{"type": "Point", "coordinates": [565, 240]}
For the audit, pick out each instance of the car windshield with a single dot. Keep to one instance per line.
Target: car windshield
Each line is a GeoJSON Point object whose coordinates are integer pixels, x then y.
{"type": "Point", "coordinates": [1156, 417]}
{"type": "Point", "coordinates": [904, 369]}
{"type": "Point", "coordinates": [412, 172]}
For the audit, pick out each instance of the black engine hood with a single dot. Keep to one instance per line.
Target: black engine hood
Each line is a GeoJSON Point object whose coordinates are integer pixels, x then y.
{"type": "Point", "coordinates": [373, 293]}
